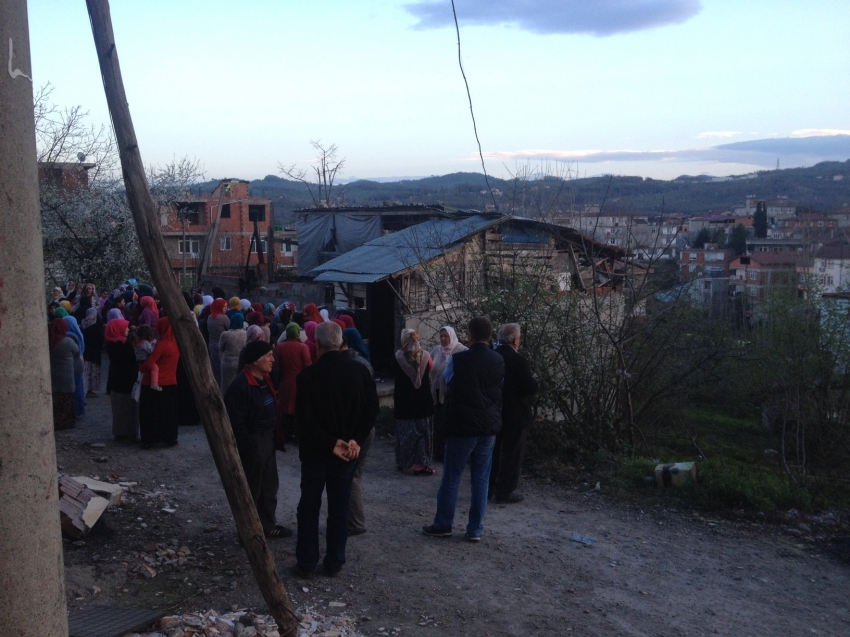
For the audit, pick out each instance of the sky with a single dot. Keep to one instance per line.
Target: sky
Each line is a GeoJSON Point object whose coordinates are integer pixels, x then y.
{"type": "Point", "coordinates": [656, 88]}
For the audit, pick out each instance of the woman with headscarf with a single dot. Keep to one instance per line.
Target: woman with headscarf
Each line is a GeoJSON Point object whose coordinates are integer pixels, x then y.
{"type": "Point", "coordinates": [310, 331]}
{"type": "Point", "coordinates": [311, 313]}
{"type": "Point", "coordinates": [355, 341]}
{"type": "Point", "coordinates": [65, 304]}
{"type": "Point", "coordinates": [257, 307]}
{"type": "Point", "coordinates": [58, 295]}
{"type": "Point", "coordinates": [92, 328]}
{"type": "Point", "coordinates": [441, 355]}
{"type": "Point", "coordinates": [51, 310]}
{"type": "Point", "coordinates": [348, 320]}
{"type": "Point", "coordinates": [87, 299]}
{"type": "Point", "coordinates": [413, 406]}
{"type": "Point", "coordinates": [158, 409]}
{"type": "Point", "coordinates": [324, 314]}
{"type": "Point", "coordinates": [244, 306]}
{"type": "Point", "coordinates": [120, 379]}
{"type": "Point", "coordinates": [150, 312]}
{"type": "Point", "coordinates": [114, 313]}
{"type": "Point", "coordinates": [292, 356]}
{"type": "Point", "coordinates": [233, 305]}
{"type": "Point", "coordinates": [203, 317]}
{"type": "Point", "coordinates": [230, 344]}
{"type": "Point", "coordinates": [63, 355]}
{"type": "Point", "coordinates": [76, 333]}
{"type": "Point", "coordinates": [217, 323]}
{"type": "Point", "coordinates": [256, 319]}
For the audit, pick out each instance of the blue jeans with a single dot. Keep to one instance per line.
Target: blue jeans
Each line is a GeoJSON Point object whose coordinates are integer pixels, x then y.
{"type": "Point", "coordinates": [333, 475]}
{"type": "Point", "coordinates": [478, 450]}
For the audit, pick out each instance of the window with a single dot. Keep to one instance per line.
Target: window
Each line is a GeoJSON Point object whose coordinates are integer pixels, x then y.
{"type": "Point", "coordinates": [225, 243]}
{"type": "Point", "coordinates": [692, 268]}
{"type": "Point", "coordinates": [754, 292]}
{"type": "Point", "coordinates": [190, 246]}
{"type": "Point", "coordinates": [225, 211]}
{"type": "Point", "coordinates": [754, 275]}
{"type": "Point", "coordinates": [692, 256]}
{"type": "Point", "coordinates": [256, 212]}
{"type": "Point", "coordinates": [286, 248]}
{"type": "Point", "coordinates": [262, 245]}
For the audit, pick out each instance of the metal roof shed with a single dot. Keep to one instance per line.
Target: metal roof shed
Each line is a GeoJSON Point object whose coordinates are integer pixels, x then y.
{"type": "Point", "coordinates": [394, 253]}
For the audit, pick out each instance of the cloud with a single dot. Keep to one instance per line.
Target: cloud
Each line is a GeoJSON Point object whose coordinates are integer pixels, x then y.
{"type": "Point", "coordinates": [820, 132]}
{"type": "Point", "coordinates": [596, 17]}
{"type": "Point", "coordinates": [759, 152]}
{"type": "Point", "coordinates": [721, 134]}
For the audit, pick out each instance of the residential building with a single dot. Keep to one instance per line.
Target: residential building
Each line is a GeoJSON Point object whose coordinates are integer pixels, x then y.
{"type": "Point", "coordinates": [190, 233]}
{"type": "Point", "coordinates": [829, 270]}
{"type": "Point", "coordinates": [755, 275]}
{"type": "Point", "coordinates": [711, 261]}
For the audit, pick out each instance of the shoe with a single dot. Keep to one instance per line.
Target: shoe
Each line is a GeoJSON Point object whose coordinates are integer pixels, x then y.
{"type": "Point", "coordinates": [472, 538]}
{"type": "Point", "coordinates": [279, 532]}
{"type": "Point", "coordinates": [425, 471]}
{"type": "Point", "coordinates": [156, 388]}
{"type": "Point", "coordinates": [332, 572]}
{"type": "Point", "coordinates": [297, 571]}
{"type": "Point", "coordinates": [513, 498]}
{"type": "Point", "coordinates": [356, 532]}
{"type": "Point", "coordinates": [433, 531]}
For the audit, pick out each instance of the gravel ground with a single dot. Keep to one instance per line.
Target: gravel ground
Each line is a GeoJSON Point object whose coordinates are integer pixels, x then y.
{"type": "Point", "coordinates": [649, 572]}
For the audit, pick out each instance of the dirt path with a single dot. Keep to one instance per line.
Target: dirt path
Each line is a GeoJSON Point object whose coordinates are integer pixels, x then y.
{"type": "Point", "coordinates": [649, 573]}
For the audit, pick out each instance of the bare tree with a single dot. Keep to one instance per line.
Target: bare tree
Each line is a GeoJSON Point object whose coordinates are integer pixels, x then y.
{"type": "Point", "coordinates": [322, 186]}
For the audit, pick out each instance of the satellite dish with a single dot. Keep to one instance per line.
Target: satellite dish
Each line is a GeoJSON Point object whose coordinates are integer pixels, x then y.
{"type": "Point", "coordinates": [81, 156]}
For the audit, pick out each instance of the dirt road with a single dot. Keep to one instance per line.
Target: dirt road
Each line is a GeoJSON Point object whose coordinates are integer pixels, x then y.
{"type": "Point", "coordinates": [649, 572]}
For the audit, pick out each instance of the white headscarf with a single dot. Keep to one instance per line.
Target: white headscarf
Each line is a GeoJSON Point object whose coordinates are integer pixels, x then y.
{"type": "Point", "coordinates": [441, 357]}
{"type": "Point", "coordinates": [324, 314]}
{"type": "Point", "coordinates": [207, 300]}
{"type": "Point", "coordinates": [246, 304]}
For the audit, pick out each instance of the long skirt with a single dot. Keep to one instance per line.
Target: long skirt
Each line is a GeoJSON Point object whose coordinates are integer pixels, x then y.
{"type": "Point", "coordinates": [413, 442]}
{"type": "Point", "coordinates": [158, 415]}
{"type": "Point", "coordinates": [79, 394]}
{"type": "Point", "coordinates": [92, 374]}
{"type": "Point", "coordinates": [125, 416]}
{"type": "Point", "coordinates": [63, 411]}
{"type": "Point", "coordinates": [215, 362]}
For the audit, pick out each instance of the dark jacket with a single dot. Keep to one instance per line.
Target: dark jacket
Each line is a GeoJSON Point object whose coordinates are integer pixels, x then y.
{"type": "Point", "coordinates": [123, 368]}
{"type": "Point", "coordinates": [410, 403]}
{"type": "Point", "coordinates": [335, 399]}
{"type": "Point", "coordinates": [473, 404]}
{"type": "Point", "coordinates": [518, 391]}
{"type": "Point", "coordinates": [245, 405]}
{"type": "Point", "coordinates": [93, 337]}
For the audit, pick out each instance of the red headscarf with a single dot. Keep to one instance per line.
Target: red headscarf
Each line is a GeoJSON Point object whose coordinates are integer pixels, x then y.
{"type": "Point", "coordinates": [254, 318]}
{"type": "Point", "coordinates": [218, 307]}
{"type": "Point", "coordinates": [311, 313]}
{"type": "Point", "coordinates": [163, 329]}
{"type": "Point", "coordinates": [340, 323]}
{"type": "Point", "coordinates": [116, 330]}
{"type": "Point", "coordinates": [149, 303]}
{"type": "Point", "coordinates": [58, 331]}
{"type": "Point", "coordinates": [349, 322]}
{"type": "Point", "coordinates": [257, 307]}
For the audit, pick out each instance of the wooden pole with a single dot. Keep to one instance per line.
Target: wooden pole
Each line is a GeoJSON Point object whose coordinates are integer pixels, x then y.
{"type": "Point", "coordinates": [191, 343]}
{"type": "Point", "coordinates": [32, 582]}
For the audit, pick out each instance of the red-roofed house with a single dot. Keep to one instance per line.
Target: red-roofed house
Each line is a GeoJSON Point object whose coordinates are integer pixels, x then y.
{"type": "Point", "coordinates": [755, 274]}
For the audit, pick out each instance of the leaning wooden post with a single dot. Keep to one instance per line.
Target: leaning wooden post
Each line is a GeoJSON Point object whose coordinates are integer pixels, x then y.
{"type": "Point", "coordinates": [192, 348]}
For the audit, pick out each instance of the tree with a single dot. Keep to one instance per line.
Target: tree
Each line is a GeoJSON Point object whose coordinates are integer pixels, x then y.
{"type": "Point", "coordinates": [703, 237]}
{"type": "Point", "coordinates": [324, 191]}
{"type": "Point", "coordinates": [738, 240]}
{"type": "Point", "coordinates": [760, 220]}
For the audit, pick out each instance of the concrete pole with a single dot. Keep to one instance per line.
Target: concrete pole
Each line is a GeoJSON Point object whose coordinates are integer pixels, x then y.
{"type": "Point", "coordinates": [32, 587]}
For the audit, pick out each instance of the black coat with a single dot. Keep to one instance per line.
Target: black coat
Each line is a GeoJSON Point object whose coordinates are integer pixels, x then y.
{"type": "Point", "coordinates": [410, 403]}
{"type": "Point", "coordinates": [123, 368]}
{"type": "Point", "coordinates": [518, 391]}
{"type": "Point", "coordinates": [335, 399]}
{"type": "Point", "coordinates": [473, 405]}
{"type": "Point", "coordinates": [246, 406]}
{"type": "Point", "coordinates": [93, 338]}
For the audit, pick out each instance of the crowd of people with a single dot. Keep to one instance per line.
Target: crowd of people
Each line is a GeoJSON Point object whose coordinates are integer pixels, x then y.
{"type": "Point", "coordinates": [305, 378]}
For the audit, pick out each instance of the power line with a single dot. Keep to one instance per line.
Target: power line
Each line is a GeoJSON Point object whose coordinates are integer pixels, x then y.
{"type": "Point", "coordinates": [471, 111]}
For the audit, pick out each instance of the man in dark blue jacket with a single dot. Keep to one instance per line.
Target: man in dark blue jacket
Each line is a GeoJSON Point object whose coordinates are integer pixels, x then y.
{"type": "Point", "coordinates": [473, 417]}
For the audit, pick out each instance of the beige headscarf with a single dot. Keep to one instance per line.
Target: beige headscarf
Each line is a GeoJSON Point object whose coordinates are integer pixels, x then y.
{"type": "Point", "coordinates": [441, 357]}
{"type": "Point", "coordinates": [412, 360]}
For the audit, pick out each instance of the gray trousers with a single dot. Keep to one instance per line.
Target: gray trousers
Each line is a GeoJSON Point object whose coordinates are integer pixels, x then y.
{"type": "Point", "coordinates": [356, 514]}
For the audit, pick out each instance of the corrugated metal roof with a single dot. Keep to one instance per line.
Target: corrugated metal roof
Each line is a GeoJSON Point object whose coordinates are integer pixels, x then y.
{"type": "Point", "coordinates": [396, 252]}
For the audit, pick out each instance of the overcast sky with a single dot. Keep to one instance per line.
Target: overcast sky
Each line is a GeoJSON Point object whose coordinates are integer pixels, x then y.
{"type": "Point", "coordinates": [632, 87]}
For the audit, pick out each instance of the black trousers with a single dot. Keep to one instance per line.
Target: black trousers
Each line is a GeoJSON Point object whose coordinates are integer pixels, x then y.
{"type": "Point", "coordinates": [260, 465]}
{"type": "Point", "coordinates": [508, 455]}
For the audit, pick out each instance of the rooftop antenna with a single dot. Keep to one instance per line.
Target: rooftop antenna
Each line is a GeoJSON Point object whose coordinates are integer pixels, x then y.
{"type": "Point", "coordinates": [777, 163]}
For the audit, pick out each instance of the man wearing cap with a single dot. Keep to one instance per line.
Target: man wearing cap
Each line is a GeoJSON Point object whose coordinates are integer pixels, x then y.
{"type": "Point", "coordinates": [252, 407]}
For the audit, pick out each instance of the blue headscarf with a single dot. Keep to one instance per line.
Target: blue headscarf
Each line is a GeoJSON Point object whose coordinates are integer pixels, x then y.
{"type": "Point", "coordinates": [76, 333]}
{"type": "Point", "coordinates": [355, 342]}
{"type": "Point", "coordinates": [237, 321]}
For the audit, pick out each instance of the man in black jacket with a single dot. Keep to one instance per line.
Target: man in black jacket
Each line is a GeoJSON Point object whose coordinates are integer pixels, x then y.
{"type": "Point", "coordinates": [473, 417]}
{"type": "Point", "coordinates": [517, 394]}
{"type": "Point", "coordinates": [251, 405]}
{"type": "Point", "coordinates": [336, 404]}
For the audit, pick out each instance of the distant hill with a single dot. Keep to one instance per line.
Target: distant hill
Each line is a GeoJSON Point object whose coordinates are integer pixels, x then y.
{"type": "Point", "coordinates": [824, 186]}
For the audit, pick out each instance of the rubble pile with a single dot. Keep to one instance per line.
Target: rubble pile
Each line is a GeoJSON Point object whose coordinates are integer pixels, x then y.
{"type": "Point", "coordinates": [242, 623]}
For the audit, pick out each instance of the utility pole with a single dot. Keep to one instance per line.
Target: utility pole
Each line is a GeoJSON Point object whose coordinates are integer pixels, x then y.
{"type": "Point", "coordinates": [32, 581]}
